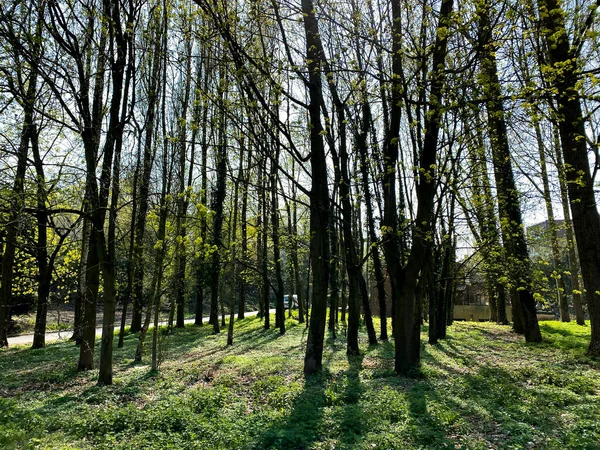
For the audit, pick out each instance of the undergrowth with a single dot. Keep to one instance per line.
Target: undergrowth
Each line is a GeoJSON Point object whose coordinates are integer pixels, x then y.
{"type": "Point", "coordinates": [480, 388]}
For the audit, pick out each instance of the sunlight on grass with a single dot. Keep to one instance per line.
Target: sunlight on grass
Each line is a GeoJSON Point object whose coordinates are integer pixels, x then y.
{"type": "Point", "coordinates": [483, 387]}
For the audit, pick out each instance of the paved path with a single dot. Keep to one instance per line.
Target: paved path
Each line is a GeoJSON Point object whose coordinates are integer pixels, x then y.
{"type": "Point", "coordinates": [27, 339]}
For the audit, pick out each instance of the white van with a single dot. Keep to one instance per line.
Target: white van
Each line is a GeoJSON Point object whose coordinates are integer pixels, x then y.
{"type": "Point", "coordinates": [286, 301]}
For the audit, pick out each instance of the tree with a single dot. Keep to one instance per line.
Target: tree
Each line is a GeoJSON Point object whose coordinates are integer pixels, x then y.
{"type": "Point", "coordinates": [319, 195]}
{"type": "Point", "coordinates": [28, 134]}
{"type": "Point", "coordinates": [404, 278]}
{"type": "Point", "coordinates": [511, 223]}
{"type": "Point", "coordinates": [155, 83]}
{"type": "Point", "coordinates": [563, 69]}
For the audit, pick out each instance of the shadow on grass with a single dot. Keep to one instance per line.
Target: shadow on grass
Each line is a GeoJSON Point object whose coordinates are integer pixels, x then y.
{"type": "Point", "coordinates": [39, 369]}
{"type": "Point", "coordinates": [473, 392]}
{"type": "Point", "coordinates": [353, 416]}
{"type": "Point", "coordinates": [191, 342]}
{"type": "Point", "coordinates": [327, 408]}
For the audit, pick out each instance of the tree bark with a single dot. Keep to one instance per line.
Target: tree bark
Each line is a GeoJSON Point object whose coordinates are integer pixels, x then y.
{"type": "Point", "coordinates": [158, 33]}
{"type": "Point", "coordinates": [586, 220]}
{"type": "Point", "coordinates": [576, 285]}
{"type": "Point", "coordinates": [319, 197]}
{"type": "Point", "coordinates": [17, 203]}
{"type": "Point", "coordinates": [183, 192]}
{"type": "Point", "coordinates": [217, 207]}
{"type": "Point", "coordinates": [508, 200]}
{"type": "Point", "coordinates": [280, 309]}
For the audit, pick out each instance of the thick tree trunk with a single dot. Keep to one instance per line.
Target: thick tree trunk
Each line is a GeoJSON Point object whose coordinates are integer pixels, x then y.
{"type": "Point", "coordinates": [508, 201]}
{"type": "Point", "coordinates": [90, 302]}
{"type": "Point", "coordinates": [586, 220]}
{"type": "Point", "coordinates": [390, 232]}
{"type": "Point", "coordinates": [319, 198]}
{"type": "Point", "coordinates": [404, 286]}
{"type": "Point", "coordinates": [113, 146]}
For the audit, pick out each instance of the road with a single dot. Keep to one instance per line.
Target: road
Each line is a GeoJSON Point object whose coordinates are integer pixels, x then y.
{"type": "Point", "coordinates": [27, 339]}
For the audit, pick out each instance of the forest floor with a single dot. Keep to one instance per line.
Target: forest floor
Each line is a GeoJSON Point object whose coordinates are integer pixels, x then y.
{"type": "Point", "coordinates": [481, 388]}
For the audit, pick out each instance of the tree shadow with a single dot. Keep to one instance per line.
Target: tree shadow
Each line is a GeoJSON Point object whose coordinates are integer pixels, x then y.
{"type": "Point", "coordinates": [327, 408]}
{"type": "Point", "coordinates": [302, 426]}
{"type": "Point", "coordinates": [353, 416]}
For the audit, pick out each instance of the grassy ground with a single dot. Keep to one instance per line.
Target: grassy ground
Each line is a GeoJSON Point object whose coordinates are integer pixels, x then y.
{"type": "Point", "coordinates": [481, 388]}
{"type": "Point", "coordinates": [60, 318]}
{"type": "Point", "coordinates": [57, 321]}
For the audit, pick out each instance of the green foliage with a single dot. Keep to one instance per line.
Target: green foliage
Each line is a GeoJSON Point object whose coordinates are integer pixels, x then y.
{"type": "Point", "coordinates": [480, 388]}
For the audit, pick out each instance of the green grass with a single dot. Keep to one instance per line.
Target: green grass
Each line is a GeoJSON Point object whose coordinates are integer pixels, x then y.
{"type": "Point", "coordinates": [481, 388]}
{"type": "Point", "coordinates": [25, 324]}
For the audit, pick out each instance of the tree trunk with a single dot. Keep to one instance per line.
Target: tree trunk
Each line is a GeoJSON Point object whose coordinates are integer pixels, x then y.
{"type": "Point", "coordinates": [294, 253]}
{"type": "Point", "coordinates": [233, 244]}
{"type": "Point", "coordinates": [184, 188]}
{"type": "Point", "coordinates": [377, 267]}
{"type": "Point", "coordinates": [264, 231]}
{"type": "Point", "coordinates": [142, 197]}
{"type": "Point", "coordinates": [90, 302]}
{"type": "Point", "coordinates": [86, 231]}
{"type": "Point", "coordinates": [357, 285]}
{"type": "Point", "coordinates": [319, 197]}
{"type": "Point", "coordinates": [389, 224]}
{"type": "Point", "coordinates": [508, 201]}
{"type": "Point", "coordinates": [217, 207]}
{"type": "Point", "coordinates": [156, 290]}
{"type": "Point", "coordinates": [44, 269]}
{"type": "Point", "coordinates": [557, 268]}
{"type": "Point", "coordinates": [586, 220]}
{"type": "Point", "coordinates": [576, 287]}
{"type": "Point", "coordinates": [334, 273]}
{"type": "Point", "coordinates": [17, 203]}
{"type": "Point", "coordinates": [244, 235]}
{"type": "Point", "coordinates": [114, 143]}
{"type": "Point", "coordinates": [280, 319]}
{"type": "Point", "coordinates": [404, 284]}
{"type": "Point", "coordinates": [129, 288]}
{"type": "Point", "coordinates": [201, 271]}
{"type": "Point", "coordinates": [493, 253]}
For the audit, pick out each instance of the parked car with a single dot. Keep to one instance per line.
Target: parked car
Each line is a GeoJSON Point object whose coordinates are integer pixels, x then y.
{"type": "Point", "coordinates": [286, 301]}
